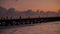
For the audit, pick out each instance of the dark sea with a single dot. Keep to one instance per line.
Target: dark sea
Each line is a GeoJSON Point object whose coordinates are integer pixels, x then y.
{"type": "Point", "coordinates": [40, 28]}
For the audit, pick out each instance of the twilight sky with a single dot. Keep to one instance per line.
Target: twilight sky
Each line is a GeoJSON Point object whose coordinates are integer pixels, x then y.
{"type": "Point", "coordinates": [52, 5]}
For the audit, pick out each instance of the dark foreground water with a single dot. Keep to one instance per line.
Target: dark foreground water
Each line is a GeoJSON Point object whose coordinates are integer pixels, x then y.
{"type": "Point", "coordinates": [43, 28]}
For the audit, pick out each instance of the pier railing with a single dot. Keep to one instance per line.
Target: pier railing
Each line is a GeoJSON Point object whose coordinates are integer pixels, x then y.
{"type": "Point", "coordinates": [6, 22]}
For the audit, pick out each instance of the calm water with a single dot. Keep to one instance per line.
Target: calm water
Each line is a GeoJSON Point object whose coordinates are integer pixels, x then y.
{"type": "Point", "coordinates": [43, 28]}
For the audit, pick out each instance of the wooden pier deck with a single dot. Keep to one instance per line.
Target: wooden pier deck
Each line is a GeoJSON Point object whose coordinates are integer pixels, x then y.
{"type": "Point", "coordinates": [6, 22]}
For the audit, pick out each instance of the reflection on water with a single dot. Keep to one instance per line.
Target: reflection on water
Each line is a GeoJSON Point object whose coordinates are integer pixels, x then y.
{"type": "Point", "coordinates": [43, 28]}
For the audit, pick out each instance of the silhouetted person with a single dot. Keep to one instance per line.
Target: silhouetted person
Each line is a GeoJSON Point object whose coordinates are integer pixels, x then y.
{"type": "Point", "coordinates": [20, 17]}
{"type": "Point", "coordinates": [28, 17]}
{"type": "Point", "coordinates": [6, 17]}
{"type": "Point", "coordinates": [10, 17]}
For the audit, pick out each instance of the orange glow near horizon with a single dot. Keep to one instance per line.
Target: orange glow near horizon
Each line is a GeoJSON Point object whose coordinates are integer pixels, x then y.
{"type": "Point", "coordinates": [45, 5]}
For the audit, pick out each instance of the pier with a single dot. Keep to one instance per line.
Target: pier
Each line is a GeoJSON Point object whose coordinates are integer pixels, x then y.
{"type": "Point", "coordinates": [6, 22]}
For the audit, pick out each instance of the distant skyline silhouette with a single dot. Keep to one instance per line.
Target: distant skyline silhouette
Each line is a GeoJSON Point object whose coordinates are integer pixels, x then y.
{"type": "Point", "coordinates": [13, 12]}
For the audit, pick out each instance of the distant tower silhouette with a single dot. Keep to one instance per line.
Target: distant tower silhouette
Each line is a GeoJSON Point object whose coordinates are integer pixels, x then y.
{"type": "Point", "coordinates": [48, 13]}
{"type": "Point", "coordinates": [38, 12]}
{"type": "Point", "coordinates": [58, 13]}
{"type": "Point", "coordinates": [11, 11]}
{"type": "Point", "coordinates": [41, 13]}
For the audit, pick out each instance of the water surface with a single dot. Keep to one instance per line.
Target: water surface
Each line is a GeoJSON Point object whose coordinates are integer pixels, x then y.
{"type": "Point", "coordinates": [43, 28]}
